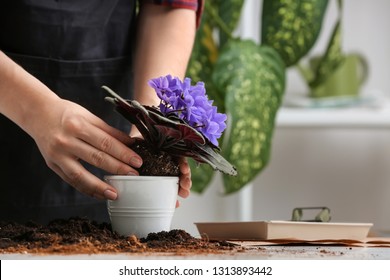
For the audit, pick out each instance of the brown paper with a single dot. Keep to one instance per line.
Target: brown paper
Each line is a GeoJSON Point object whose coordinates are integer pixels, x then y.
{"type": "Point", "coordinates": [367, 242]}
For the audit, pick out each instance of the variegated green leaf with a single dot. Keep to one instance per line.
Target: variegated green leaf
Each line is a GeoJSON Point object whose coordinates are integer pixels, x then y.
{"type": "Point", "coordinates": [253, 79]}
{"type": "Point", "coordinates": [204, 56]}
{"type": "Point", "coordinates": [201, 175]}
{"type": "Point", "coordinates": [292, 26]}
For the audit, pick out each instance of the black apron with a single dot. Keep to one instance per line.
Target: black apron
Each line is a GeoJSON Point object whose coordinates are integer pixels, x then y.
{"type": "Point", "coordinates": [74, 47]}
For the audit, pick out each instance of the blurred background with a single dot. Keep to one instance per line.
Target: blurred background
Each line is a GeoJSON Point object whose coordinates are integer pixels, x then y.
{"type": "Point", "coordinates": [329, 154]}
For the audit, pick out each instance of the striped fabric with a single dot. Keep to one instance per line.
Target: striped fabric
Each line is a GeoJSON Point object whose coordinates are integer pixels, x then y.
{"type": "Point", "coordinates": [195, 5]}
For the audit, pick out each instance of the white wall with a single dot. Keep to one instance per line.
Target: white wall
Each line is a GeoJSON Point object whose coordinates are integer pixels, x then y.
{"type": "Point", "coordinates": [347, 170]}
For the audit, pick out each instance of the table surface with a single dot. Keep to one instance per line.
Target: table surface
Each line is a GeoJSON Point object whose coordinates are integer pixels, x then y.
{"type": "Point", "coordinates": [262, 252]}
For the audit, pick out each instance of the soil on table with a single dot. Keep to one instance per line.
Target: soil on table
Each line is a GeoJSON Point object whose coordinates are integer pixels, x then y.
{"type": "Point", "coordinates": [82, 236]}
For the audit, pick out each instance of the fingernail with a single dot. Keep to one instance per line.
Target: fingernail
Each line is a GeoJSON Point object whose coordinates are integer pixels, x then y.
{"type": "Point", "coordinates": [136, 161]}
{"type": "Point", "coordinates": [109, 194]}
{"type": "Point", "coordinates": [131, 173]}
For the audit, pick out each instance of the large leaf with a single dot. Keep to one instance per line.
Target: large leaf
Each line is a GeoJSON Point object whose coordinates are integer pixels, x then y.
{"type": "Point", "coordinates": [204, 55]}
{"type": "Point", "coordinates": [253, 79]}
{"type": "Point", "coordinates": [292, 27]}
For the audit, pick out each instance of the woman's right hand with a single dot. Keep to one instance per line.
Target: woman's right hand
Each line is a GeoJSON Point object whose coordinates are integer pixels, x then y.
{"type": "Point", "coordinates": [65, 132]}
{"type": "Point", "coordinates": [69, 133]}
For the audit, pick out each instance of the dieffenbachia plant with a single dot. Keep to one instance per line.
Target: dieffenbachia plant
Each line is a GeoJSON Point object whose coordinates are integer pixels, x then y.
{"type": "Point", "coordinates": [247, 80]}
{"type": "Point", "coordinates": [185, 124]}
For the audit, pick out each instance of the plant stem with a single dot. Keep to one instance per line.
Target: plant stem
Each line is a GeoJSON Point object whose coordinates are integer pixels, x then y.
{"type": "Point", "coordinates": [218, 21]}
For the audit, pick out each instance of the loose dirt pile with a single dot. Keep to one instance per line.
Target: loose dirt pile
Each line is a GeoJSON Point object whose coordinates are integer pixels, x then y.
{"type": "Point", "coordinates": [82, 236]}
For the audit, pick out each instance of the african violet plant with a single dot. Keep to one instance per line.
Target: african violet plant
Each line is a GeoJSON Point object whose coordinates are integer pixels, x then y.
{"type": "Point", "coordinates": [247, 80]}
{"type": "Point", "coordinates": [185, 124]}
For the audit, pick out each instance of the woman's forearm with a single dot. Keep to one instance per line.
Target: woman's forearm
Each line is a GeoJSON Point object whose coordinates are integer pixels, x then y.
{"type": "Point", "coordinates": [165, 38]}
{"type": "Point", "coordinates": [23, 98]}
{"type": "Point", "coordinates": [65, 132]}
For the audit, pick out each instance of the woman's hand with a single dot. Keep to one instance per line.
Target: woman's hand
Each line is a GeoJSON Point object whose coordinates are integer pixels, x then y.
{"type": "Point", "coordinates": [69, 133]}
{"type": "Point", "coordinates": [65, 132]}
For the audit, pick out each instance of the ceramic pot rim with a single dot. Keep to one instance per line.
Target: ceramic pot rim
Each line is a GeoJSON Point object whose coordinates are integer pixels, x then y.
{"type": "Point", "coordinates": [139, 178]}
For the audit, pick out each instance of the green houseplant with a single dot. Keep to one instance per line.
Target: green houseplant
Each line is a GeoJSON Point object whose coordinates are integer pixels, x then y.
{"type": "Point", "coordinates": [247, 80]}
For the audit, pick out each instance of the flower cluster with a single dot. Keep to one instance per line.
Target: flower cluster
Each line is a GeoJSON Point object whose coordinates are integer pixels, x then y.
{"type": "Point", "coordinates": [191, 104]}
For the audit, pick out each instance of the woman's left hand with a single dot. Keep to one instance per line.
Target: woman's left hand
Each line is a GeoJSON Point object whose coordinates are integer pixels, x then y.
{"type": "Point", "coordinates": [185, 182]}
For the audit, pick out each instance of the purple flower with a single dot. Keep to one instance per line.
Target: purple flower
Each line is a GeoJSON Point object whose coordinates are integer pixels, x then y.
{"type": "Point", "coordinates": [191, 104]}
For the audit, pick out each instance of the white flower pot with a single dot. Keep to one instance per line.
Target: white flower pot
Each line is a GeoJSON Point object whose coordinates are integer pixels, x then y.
{"type": "Point", "coordinates": [145, 204]}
